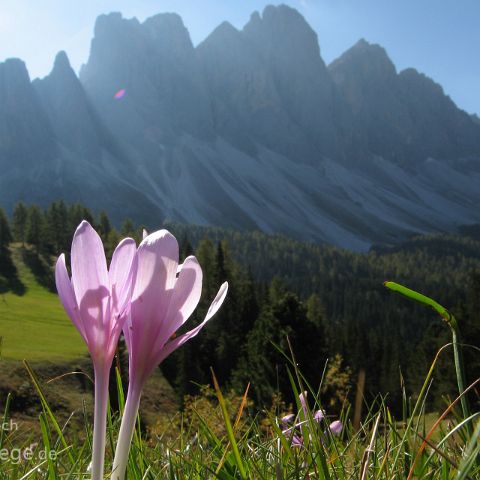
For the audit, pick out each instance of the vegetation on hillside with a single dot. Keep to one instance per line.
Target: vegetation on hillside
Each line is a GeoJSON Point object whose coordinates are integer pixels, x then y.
{"type": "Point", "coordinates": [330, 303]}
{"type": "Point", "coordinates": [313, 301]}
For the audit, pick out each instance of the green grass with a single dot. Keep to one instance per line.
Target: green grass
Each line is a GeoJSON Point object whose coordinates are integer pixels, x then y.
{"type": "Point", "coordinates": [252, 446]}
{"type": "Point", "coordinates": [34, 326]}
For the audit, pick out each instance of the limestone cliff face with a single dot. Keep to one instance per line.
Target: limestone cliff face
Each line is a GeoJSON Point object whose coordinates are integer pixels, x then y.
{"type": "Point", "coordinates": [155, 63]}
{"type": "Point", "coordinates": [405, 117]}
{"type": "Point", "coordinates": [26, 135]}
{"type": "Point", "coordinates": [250, 129]}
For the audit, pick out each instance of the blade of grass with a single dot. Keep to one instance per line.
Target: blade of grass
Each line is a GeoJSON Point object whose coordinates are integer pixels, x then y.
{"type": "Point", "coordinates": [47, 446]}
{"type": "Point", "coordinates": [436, 424]}
{"type": "Point", "coordinates": [453, 324]}
{"type": "Point", "coordinates": [235, 426]}
{"type": "Point", "coordinates": [47, 408]}
{"type": "Point", "coordinates": [228, 425]}
{"type": "Point", "coordinates": [471, 454]}
{"type": "Point", "coordinates": [368, 451]}
{"type": "Point", "coordinates": [5, 417]}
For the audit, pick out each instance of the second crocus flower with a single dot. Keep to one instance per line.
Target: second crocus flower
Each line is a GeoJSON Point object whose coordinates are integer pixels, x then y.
{"type": "Point", "coordinates": [162, 301]}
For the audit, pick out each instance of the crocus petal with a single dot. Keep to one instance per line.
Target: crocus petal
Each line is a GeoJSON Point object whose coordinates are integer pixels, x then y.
{"type": "Point", "coordinates": [157, 261]}
{"type": "Point", "coordinates": [89, 265]}
{"type": "Point", "coordinates": [303, 401]}
{"type": "Point", "coordinates": [92, 288]}
{"type": "Point", "coordinates": [319, 415]}
{"type": "Point", "coordinates": [185, 298]}
{"type": "Point", "coordinates": [297, 441]}
{"type": "Point", "coordinates": [67, 295]}
{"type": "Point", "coordinates": [336, 427]}
{"type": "Point", "coordinates": [179, 341]}
{"type": "Point", "coordinates": [287, 418]}
{"type": "Point", "coordinates": [144, 234]}
{"type": "Point", "coordinates": [122, 269]}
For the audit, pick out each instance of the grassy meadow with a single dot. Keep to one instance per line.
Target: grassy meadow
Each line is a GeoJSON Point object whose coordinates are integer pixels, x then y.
{"type": "Point", "coordinates": [33, 325]}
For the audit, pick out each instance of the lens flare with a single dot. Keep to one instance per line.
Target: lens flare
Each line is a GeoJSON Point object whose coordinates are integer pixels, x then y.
{"type": "Point", "coordinates": [120, 94]}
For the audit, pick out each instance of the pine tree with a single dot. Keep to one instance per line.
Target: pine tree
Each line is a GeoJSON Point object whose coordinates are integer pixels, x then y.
{"type": "Point", "coordinates": [35, 232]}
{"type": "Point", "coordinates": [5, 233]}
{"type": "Point", "coordinates": [263, 364]}
{"type": "Point", "coordinates": [7, 268]}
{"type": "Point", "coordinates": [104, 226]}
{"type": "Point", "coordinates": [57, 228]}
{"type": "Point", "coordinates": [77, 213]}
{"type": "Point", "coordinates": [19, 223]}
{"type": "Point", "coordinates": [113, 238]}
{"type": "Point", "coordinates": [127, 229]}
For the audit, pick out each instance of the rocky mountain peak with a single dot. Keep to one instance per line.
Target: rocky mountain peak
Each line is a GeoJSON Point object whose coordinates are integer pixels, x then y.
{"type": "Point", "coordinates": [13, 72]}
{"type": "Point", "coordinates": [61, 61]}
{"type": "Point", "coordinates": [168, 28]}
{"type": "Point", "coordinates": [23, 124]}
{"type": "Point", "coordinates": [108, 24]}
{"type": "Point", "coordinates": [282, 29]}
{"type": "Point", "coordinates": [62, 76]}
{"type": "Point", "coordinates": [226, 29]}
{"type": "Point", "coordinates": [368, 60]}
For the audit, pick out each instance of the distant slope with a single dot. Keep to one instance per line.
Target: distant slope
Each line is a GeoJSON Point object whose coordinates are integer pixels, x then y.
{"type": "Point", "coordinates": [34, 326]}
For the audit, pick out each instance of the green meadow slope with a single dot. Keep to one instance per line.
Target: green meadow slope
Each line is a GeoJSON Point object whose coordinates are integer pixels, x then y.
{"type": "Point", "coordinates": [33, 325]}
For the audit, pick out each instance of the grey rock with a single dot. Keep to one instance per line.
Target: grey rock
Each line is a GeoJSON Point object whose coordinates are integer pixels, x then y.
{"type": "Point", "coordinates": [250, 130]}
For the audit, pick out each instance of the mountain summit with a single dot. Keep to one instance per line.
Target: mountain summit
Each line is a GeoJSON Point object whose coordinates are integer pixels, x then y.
{"type": "Point", "coordinates": [250, 129]}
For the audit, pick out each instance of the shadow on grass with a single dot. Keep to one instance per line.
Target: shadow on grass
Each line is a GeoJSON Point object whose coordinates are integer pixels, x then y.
{"type": "Point", "coordinates": [9, 281]}
{"type": "Point", "coordinates": [40, 268]}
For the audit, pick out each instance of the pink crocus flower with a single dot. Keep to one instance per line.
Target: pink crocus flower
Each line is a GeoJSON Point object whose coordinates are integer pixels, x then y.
{"type": "Point", "coordinates": [290, 430]}
{"type": "Point", "coordinates": [97, 301]}
{"type": "Point", "coordinates": [336, 427]}
{"type": "Point", "coordinates": [287, 419]}
{"type": "Point", "coordinates": [163, 298]}
{"type": "Point", "coordinates": [303, 402]}
{"type": "Point", "coordinates": [319, 415]}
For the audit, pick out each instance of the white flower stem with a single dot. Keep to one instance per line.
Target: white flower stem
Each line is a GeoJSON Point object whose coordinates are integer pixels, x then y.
{"type": "Point", "coordinates": [99, 422]}
{"type": "Point", "coordinates": [126, 432]}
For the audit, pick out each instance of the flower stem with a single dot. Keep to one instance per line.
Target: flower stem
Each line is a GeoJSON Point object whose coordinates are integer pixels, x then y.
{"type": "Point", "coordinates": [460, 371]}
{"type": "Point", "coordinates": [99, 422]}
{"type": "Point", "coordinates": [126, 432]}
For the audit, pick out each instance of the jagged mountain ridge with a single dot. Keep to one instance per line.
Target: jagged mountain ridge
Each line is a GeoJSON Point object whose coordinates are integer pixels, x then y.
{"type": "Point", "coordinates": [250, 129]}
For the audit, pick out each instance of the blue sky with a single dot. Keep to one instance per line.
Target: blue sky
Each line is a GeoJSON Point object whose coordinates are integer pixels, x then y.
{"type": "Point", "coordinates": [440, 38]}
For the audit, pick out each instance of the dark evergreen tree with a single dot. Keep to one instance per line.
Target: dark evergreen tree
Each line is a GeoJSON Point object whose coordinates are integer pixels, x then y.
{"type": "Point", "coordinates": [264, 363]}
{"type": "Point", "coordinates": [35, 233]}
{"type": "Point", "coordinates": [8, 271]}
{"type": "Point", "coordinates": [19, 223]}
{"type": "Point", "coordinates": [111, 243]}
{"type": "Point", "coordinates": [128, 229]}
{"type": "Point", "coordinates": [104, 226]}
{"type": "Point", "coordinates": [57, 232]}
{"type": "Point", "coordinates": [77, 213]}
{"type": "Point", "coordinates": [5, 233]}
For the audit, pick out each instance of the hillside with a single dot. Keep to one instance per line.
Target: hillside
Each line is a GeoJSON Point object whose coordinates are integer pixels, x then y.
{"type": "Point", "coordinates": [328, 301]}
{"type": "Point", "coordinates": [33, 325]}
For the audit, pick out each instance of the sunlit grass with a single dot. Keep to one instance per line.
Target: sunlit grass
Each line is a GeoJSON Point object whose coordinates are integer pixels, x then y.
{"type": "Point", "coordinates": [34, 325]}
{"type": "Point", "coordinates": [250, 444]}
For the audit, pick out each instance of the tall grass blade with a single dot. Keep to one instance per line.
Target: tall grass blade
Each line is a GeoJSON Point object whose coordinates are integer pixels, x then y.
{"type": "Point", "coordinates": [228, 426]}
{"type": "Point", "coordinates": [47, 409]}
{"type": "Point", "coordinates": [453, 324]}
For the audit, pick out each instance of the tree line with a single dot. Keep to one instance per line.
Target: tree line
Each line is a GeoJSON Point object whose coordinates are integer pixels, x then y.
{"type": "Point", "coordinates": [328, 303]}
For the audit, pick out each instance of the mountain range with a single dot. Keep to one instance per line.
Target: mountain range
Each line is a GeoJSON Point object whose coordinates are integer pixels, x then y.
{"type": "Point", "coordinates": [250, 130]}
